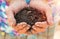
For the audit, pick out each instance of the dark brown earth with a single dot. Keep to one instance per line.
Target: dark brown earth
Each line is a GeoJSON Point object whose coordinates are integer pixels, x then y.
{"type": "Point", "coordinates": [30, 16]}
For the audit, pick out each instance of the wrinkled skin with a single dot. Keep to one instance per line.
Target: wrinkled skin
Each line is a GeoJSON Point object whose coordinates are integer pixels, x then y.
{"type": "Point", "coordinates": [22, 27]}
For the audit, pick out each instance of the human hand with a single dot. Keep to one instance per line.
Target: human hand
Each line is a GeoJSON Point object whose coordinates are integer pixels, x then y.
{"type": "Point", "coordinates": [43, 7]}
{"type": "Point", "coordinates": [21, 28]}
{"type": "Point", "coordinates": [12, 9]}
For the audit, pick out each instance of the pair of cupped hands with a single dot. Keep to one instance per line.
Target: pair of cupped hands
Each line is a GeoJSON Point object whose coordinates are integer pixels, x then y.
{"type": "Point", "coordinates": [21, 28]}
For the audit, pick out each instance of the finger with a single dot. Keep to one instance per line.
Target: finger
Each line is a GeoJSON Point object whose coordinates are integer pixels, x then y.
{"type": "Point", "coordinates": [22, 25]}
{"type": "Point", "coordinates": [41, 24]}
{"type": "Point", "coordinates": [15, 28]}
{"type": "Point", "coordinates": [28, 33]}
{"type": "Point", "coordinates": [49, 16]}
{"type": "Point", "coordinates": [33, 31]}
{"type": "Point", "coordinates": [10, 17]}
{"type": "Point", "coordinates": [38, 30]}
{"type": "Point", "coordinates": [23, 31]}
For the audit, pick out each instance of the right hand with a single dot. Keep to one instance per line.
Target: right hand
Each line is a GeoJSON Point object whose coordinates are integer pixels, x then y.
{"type": "Point", "coordinates": [13, 8]}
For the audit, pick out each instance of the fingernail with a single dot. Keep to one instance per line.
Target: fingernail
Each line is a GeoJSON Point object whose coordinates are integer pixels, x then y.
{"type": "Point", "coordinates": [23, 23]}
{"type": "Point", "coordinates": [43, 22]}
{"type": "Point", "coordinates": [37, 23]}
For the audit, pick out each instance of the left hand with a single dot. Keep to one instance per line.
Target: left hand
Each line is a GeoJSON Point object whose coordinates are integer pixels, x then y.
{"type": "Point", "coordinates": [42, 6]}
{"type": "Point", "coordinates": [21, 28]}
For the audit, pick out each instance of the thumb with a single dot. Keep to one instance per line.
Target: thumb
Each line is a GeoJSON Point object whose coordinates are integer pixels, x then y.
{"type": "Point", "coordinates": [10, 17]}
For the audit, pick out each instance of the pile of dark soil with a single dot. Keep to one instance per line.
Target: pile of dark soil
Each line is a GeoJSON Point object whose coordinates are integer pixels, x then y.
{"type": "Point", "coordinates": [30, 16]}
